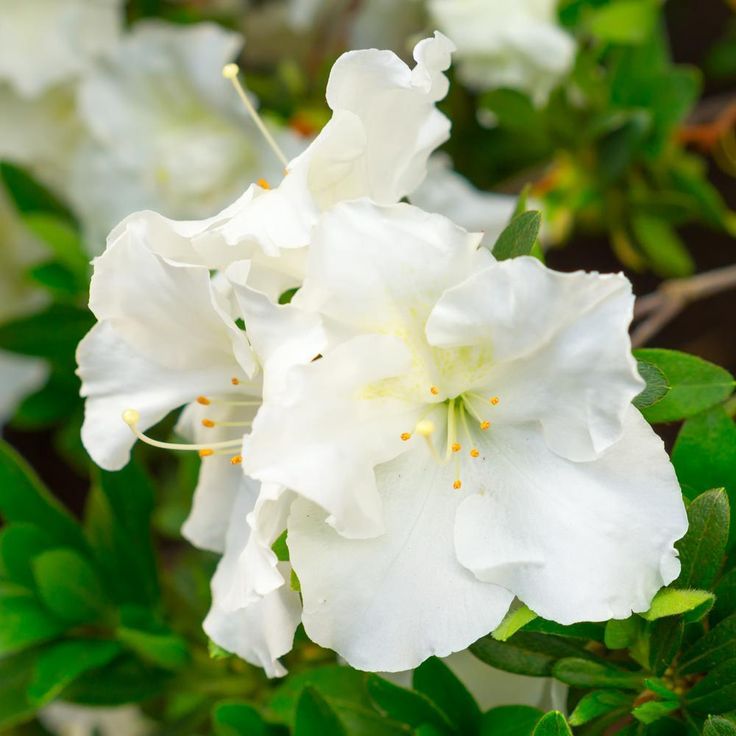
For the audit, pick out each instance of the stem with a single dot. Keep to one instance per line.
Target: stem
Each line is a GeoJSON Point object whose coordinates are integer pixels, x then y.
{"type": "Point", "coordinates": [661, 306]}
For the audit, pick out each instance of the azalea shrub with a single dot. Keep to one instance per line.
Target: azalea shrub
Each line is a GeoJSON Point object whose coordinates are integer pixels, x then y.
{"type": "Point", "coordinates": [311, 424]}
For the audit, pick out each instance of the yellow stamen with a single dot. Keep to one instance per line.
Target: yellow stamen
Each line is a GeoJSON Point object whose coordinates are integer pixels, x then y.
{"type": "Point", "coordinates": [236, 459]}
{"type": "Point", "coordinates": [206, 452]}
{"type": "Point", "coordinates": [263, 184]}
{"type": "Point", "coordinates": [456, 447]}
{"type": "Point", "coordinates": [208, 423]}
{"type": "Point", "coordinates": [484, 425]}
{"type": "Point", "coordinates": [494, 400]}
{"type": "Point", "coordinates": [434, 390]}
{"type": "Point", "coordinates": [457, 485]}
{"type": "Point", "coordinates": [235, 381]}
{"type": "Point", "coordinates": [203, 400]}
{"type": "Point", "coordinates": [474, 453]}
{"type": "Point", "coordinates": [230, 71]}
{"type": "Point", "coordinates": [425, 427]}
{"type": "Point", "coordinates": [406, 436]}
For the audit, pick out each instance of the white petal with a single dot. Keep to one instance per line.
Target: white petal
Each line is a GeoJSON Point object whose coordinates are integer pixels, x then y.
{"type": "Point", "coordinates": [19, 376]}
{"type": "Point", "coordinates": [322, 441]}
{"type": "Point", "coordinates": [263, 631]}
{"type": "Point", "coordinates": [388, 603]}
{"type": "Point", "coordinates": [575, 541]}
{"type": "Point", "coordinates": [560, 348]}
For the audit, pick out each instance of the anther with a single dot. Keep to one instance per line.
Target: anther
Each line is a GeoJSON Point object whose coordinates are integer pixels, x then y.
{"type": "Point", "coordinates": [208, 423]}
{"type": "Point", "coordinates": [235, 381]}
{"type": "Point", "coordinates": [406, 436]}
{"type": "Point", "coordinates": [236, 459]}
{"type": "Point", "coordinates": [474, 452]}
{"type": "Point", "coordinates": [131, 417]}
{"type": "Point", "coordinates": [484, 425]}
{"type": "Point", "coordinates": [207, 452]}
{"type": "Point", "coordinates": [230, 71]}
{"type": "Point", "coordinates": [263, 184]}
{"type": "Point", "coordinates": [425, 427]}
{"type": "Point", "coordinates": [434, 390]}
{"type": "Point", "coordinates": [456, 447]}
{"type": "Point", "coordinates": [494, 400]}
{"type": "Point", "coordinates": [203, 400]}
{"type": "Point", "coordinates": [457, 485]}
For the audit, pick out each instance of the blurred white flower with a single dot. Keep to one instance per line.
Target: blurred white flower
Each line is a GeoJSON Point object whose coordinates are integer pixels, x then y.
{"type": "Point", "coordinates": [47, 42]}
{"type": "Point", "coordinates": [166, 130]}
{"type": "Point", "coordinates": [447, 193]}
{"type": "Point", "coordinates": [507, 44]}
{"type": "Point", "coordinates": [466, 436]}
{"type": "Point", "coordinates": [66, 719]}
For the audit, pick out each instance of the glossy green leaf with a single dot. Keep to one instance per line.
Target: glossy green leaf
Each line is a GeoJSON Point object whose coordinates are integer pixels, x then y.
{"type": "Point", "coordinates": [665, 638]}
{"type": "Point", "coordinates": [526, 653]}
{"type": "Point", "coordinates": [237, 718]}
{"type": "Point", "coordinates": [407, 706]}
{"type": "Point", "coordinates": [584, 673]}
{"type": "Point", "coordinates": [621, 634]}
{"type": "Point", "coordinates": [656, 385]}
{"type": "Point", "coordinates": [694, 384]}
{"type": "Point", "coordinates": [653, 710]}
{"type": "Point", "coordinates": [437, 681]}
{"type": "Point", "coordinates": [15, 675]}
{"type": "Point", "coordinates": [552, 724]}
{"type": "Point", "coordinates": [24, 622]}
{"type": "Point", "coordinates": [59, 665]}
{"type": "Point", "coordinates": [315, 717]}
{"type": "Point", "coordinates": [68, 586]}
{"type": "Point", "coordinates": [704, 545]}
{"type": "Point", "coordinates": [519, 236]}
{"type": "Point", "coordinates": [163, 649]}
{"type": "Point", "coordinates": [510, 720]}
{"type": "Point", "coordinates": [512, 622]}
{"type": "Point", "coordinates": [598, 703]}
{"type": "Point", "coordinates": [19, 544]}
{"type": "Point", "coordinates": [665, 251]}
{"type": "Point", "coordinates": [718, 726]}
{"type": "Point", "coordinates": [725, 598]}
{"type": "Point", "coordinates": [717, 646]}
{"type": "Point", "coordinates": [626, 21]}
{"type": "Point", "coordinates": [716, 692]}
{"type": "Point", "coordinates": [671, 602]}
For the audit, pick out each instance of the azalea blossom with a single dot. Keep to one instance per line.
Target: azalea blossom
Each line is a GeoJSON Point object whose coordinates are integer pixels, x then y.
{"type": "Point", "coordinates": [44, 43]}
{"type": "Point", "coordinates": [500, 44]}
{"type": "Point", "coordinates": [166, 132]}
{"type": "Point", "coordinates": [466, 436]}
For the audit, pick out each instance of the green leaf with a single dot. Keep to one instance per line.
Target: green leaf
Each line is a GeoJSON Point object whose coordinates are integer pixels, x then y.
{"type": "Point", "coordinates": [23, 498]}
{"type": "Point", "coordinates": [725, 598]}
{"type": "Point", "coordinates": [119, 509]}
{"type": "Point", "coordinates": [599, 703]}
{"type": "Point", "coordinates": [622, 634]}
{"type": "Point", "coordinates": [665, 638]}
{"type": "Point", "coordinates": [716, 692]}
{"type": "Point", "coordinates": [412, 708]}
{"type": "Point", "coordinates": [29, 195]}
{"type": "Point", "coordinates": [236, 718]}
{"type": "Point", "coordinates": [671, 602]}
{"type": "Point", "coordinates": [510, 720]}
{"type": "Point", "coordinates": [525, 653]}
{"type": "Point", "coordinates": [513, 109]}
{"type": "Point", "coordinates": [62, 239]}
{"type": "Point", "coordinates": [437, 681]}
{"type": "Point", "coordinates": [703, 546]}
{"type": "Point", "coordinates": [163, 649]}
{"type": "Point", "coordinates": [717, 726]}
{"type": "Point", "coordinates": [53, 333]}
{"type": "Point", "coordinates": [625, 21]}
{"type": "Point", "coordinates": [15, 675]}
{"type": "Point", "coordinates": [664, 249]}
{"type": "Point", "coordinates": [518, 237]}
{"type": "Point", "coordinates": [68, 586]}
{"type": "Point", "coordinates": [704, 457]}
{"type": "Point", "coordinates": [512, 622]}
{"type": "Point", "coordinates": [59, 665]}
{"type": "Point", "coordinates": [717, 646]}
{"type": "Point", "coordinates": [280, 549]}
{"type": "Point", "coordinates": [694, 384]}
{"type": "Point", "coordinates": [552, 724]}
{"type": "Point", "coordinates": [584, 673]}
{"type": "Point", "coordinates": [653, 710]}
{"type": "Point", "coordinates": [23, 623]}
{"type": "Point", "coordinates": [19, 544]}
{"type": "Point", "coordinates": [314, 717]}
{"type": "Point", "coordinates": [288, 295]}
{"type": "Point", "coordinates": [656, 387]}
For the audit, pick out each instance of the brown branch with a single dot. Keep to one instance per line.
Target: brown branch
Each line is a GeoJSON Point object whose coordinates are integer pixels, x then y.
{"type": "Point", "coordinates": [657, 309]}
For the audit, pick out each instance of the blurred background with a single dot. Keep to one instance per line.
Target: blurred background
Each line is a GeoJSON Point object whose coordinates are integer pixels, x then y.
{"type": "Point", "coordinates": [615, 118]}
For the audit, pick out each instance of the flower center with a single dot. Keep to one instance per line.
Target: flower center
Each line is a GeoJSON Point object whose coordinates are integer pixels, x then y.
{"type": "Point", "coordinates": [462, 418]}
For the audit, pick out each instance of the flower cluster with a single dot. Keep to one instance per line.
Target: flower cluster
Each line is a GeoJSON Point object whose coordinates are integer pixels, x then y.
{"type": "Point", "coordinates": [432, 431]}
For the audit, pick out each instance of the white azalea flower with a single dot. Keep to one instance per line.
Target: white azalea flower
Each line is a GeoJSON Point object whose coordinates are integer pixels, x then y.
{"type": "Point", "coordinates": [67, 719]}
{"type": "Point", "coordinates": [166, 130]}
{"type": "Point", "coordinates": [466, 436]}
{"type": "Point", "coordinates": [447, 193]}
{"type": "Point", "coordinates": [500, 44]}
{"type": "Point", "coordinates": [47, 42]}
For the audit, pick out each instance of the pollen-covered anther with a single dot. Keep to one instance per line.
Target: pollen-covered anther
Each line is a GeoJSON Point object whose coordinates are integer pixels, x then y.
{"type": "Point", "coordinates": [493, 400]}
{"type": "Point", "coordinates": [203, 400]}
{"type": "Point", "coordinates": [456, 447]}
{"type": "Point", "coordinates": [206, 452]}
{"type": "Point", "coordinates": [236, 459]}
{"type": "Point", "coordinates": [208, 423]}
{"type": "Point", "coordinates": [474, 452]}
{"type": "Point", "coordinates": [235, 381]}
{"type": "Point", "coordinates": [406, 436]}
{"type": "Point", "coordinates": [263, 184]}
{"type": "Point", "coordinates": [485, 425]}
{"type": "Point", "coordinates": [457, 485]}
{"type": "Point", "coordinates": [230, 71]}
{"type": "Point", "coordinates": [424, 428]}
{"type": "Point", "coordinates": [434, 390]}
